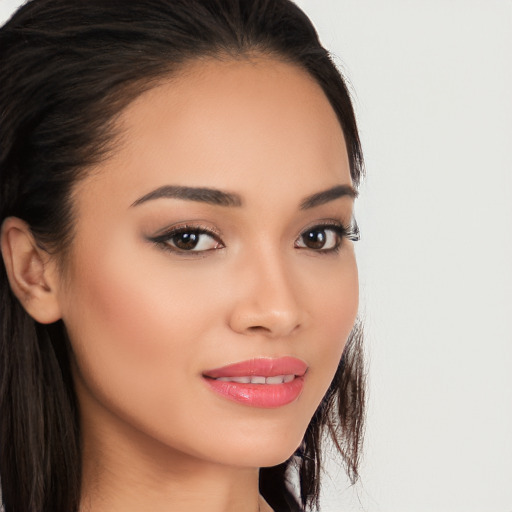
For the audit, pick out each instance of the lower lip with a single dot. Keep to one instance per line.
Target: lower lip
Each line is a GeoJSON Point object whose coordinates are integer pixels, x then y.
{"type": "Point", "coordinates": [259, 395]}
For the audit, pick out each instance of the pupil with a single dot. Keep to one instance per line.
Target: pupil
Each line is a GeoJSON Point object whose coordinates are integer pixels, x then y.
{"type": "Point", "coordinates": [186, 240]}
{"type": "Point", "coordinates": [315, 239]}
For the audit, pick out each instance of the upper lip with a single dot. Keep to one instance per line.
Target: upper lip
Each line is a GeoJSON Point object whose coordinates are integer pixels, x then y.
{"type": "Point", "coordinates": [263, 366]}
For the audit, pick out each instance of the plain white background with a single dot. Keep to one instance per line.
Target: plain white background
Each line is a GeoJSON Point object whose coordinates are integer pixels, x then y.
{"type": "Point", "coordinates": [432, 83]}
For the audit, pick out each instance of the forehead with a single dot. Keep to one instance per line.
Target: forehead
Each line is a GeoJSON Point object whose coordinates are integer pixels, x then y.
{"type": "Point", "coordinates": [235, 125]}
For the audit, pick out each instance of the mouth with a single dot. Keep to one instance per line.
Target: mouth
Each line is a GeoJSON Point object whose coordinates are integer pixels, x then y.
{"type": "Point", "coordinates": [262, 382]}
{"type": "Point", "coordinates": [259, 379]}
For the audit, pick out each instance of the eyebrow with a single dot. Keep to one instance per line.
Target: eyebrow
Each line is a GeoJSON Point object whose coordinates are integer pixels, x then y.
{"type": "Point", "coordinates": [328, 195]}
{"type": "Point", "coordinates": [201, 194]}
{"type": "Point", "coordinates": [219, 198]}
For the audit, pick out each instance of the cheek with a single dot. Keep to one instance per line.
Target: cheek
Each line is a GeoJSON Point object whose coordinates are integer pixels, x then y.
{"type": "Point", "coordinates": [340, 307]}
{"type": "Point", "coordinates": [133, 300]}
{"type": "Point", "coordinates": [334, 309]}
{"type": "Point", "coordinates": [134, 329]}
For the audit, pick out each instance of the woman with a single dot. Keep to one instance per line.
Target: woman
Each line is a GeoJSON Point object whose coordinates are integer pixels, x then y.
{"type": "Point", "coordinates": [179, 288]}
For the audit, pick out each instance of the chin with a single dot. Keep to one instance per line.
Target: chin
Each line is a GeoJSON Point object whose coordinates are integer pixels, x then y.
{"type": "Point", "coordinates": [268, 447]}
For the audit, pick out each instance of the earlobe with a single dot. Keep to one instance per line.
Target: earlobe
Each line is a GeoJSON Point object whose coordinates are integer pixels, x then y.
{"type": "Point", "coordinates": [30, 274]}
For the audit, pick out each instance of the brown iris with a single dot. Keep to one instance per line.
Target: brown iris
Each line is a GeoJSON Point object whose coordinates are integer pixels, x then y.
{"type": "Point", "coordinates": [315, 239]}
{"type": "Point", "coordinates": [186, 241]}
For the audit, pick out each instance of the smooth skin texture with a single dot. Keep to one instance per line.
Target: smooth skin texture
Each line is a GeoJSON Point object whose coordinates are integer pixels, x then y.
{"type": "Point", "coordinates": [147, 319]}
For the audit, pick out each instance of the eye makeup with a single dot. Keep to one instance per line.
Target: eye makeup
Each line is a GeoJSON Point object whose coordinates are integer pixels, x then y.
{"type": "Point", "coordinates": [190, 239]}
{"type": "Point", "coordinates": [193, 239]}
{"type": "Point", "coordinates": [327, 236]}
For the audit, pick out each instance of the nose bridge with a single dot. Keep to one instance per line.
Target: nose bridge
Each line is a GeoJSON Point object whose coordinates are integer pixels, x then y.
{"type": "Point", "coordinates": [269, 301]}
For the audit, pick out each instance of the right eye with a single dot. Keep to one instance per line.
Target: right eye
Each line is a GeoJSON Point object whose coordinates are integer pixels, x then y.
{"type": "Point", "coordinates": [189, 239]}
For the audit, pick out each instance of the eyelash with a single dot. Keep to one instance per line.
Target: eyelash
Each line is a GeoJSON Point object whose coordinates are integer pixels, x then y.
{"type": "Point", "coordinates": [340, 230]}
{"type": "Point", "coordinates": [164, 240]}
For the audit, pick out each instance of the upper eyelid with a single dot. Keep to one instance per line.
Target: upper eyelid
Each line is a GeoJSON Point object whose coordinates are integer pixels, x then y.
{"type": "Point", "coordinates": [169, 231]}
{"type": "Point", "coordinates": [348, 230]}
{"type": "Point", "coordinates": [164, 240]}
{"type": "Point", "coordinates": [177, 228]}
{"type": "Point", "coordinates": [328, 223]}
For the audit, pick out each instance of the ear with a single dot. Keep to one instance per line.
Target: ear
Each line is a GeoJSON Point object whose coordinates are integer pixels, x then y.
{"type": "Point", "coordinates": [31, 273]}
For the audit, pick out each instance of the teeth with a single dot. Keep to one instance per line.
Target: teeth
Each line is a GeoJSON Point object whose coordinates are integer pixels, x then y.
{"type": "Point", "coordinates": [256, 379]}
{"type": "Point", "coordinates": [240, 380]}
{"type": "Point", "coordinates": [278, 379]}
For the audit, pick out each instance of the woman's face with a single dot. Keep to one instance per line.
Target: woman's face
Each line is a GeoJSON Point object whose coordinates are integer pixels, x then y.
{"type": "Point", "coordinates": [167, 281]}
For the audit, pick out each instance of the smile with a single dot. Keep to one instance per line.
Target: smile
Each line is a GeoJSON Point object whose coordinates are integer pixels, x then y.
{"type": "Point", "coordinates": [263, 382]}
{"type": "Point", "coordinates": [278, 379]}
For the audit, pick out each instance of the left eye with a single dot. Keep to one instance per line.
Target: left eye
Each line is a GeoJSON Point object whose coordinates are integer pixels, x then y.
{"type": "Point", "coordinates": [320, 238]}
{"type": "Point", "coordinates": [190, 240]}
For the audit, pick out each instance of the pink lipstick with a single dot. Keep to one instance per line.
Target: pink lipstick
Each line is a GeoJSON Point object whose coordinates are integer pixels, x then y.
{"type": "Point", "coordinates": [262, 382]}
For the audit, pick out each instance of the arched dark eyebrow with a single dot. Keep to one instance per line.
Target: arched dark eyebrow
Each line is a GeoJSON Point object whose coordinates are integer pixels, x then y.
{"type": "Point", "coordinates": [203, 195]}
{"type": "Point", "coordinates": [220, 198]}
{"type": "Point", "coordinates": [328, 195]}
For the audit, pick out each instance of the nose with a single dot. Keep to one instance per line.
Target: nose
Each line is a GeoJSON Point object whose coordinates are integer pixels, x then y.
{"type": "Point", "coordinates": [268, 301]}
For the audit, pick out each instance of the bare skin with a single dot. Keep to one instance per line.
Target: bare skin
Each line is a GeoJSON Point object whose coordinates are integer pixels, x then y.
{"type": "Point", "coordinates": [147, 318]}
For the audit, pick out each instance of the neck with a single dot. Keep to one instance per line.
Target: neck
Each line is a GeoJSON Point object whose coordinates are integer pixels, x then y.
{"type": "Point", "coordinates": [136, 489]}
{"type": "Point", "coordinates": [125, 471]}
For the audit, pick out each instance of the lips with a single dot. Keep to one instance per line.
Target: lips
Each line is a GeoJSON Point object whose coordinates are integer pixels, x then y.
{"type": "Point", "coordinates": [262, 382]}
{"type": "Point", "coordinates": [266, 367]}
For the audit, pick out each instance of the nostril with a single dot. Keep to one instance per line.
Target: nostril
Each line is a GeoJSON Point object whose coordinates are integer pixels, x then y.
{"type": "Point", "coordinates": [266, 316]}
{"type": "Point", "coordinates": [259, 329]}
